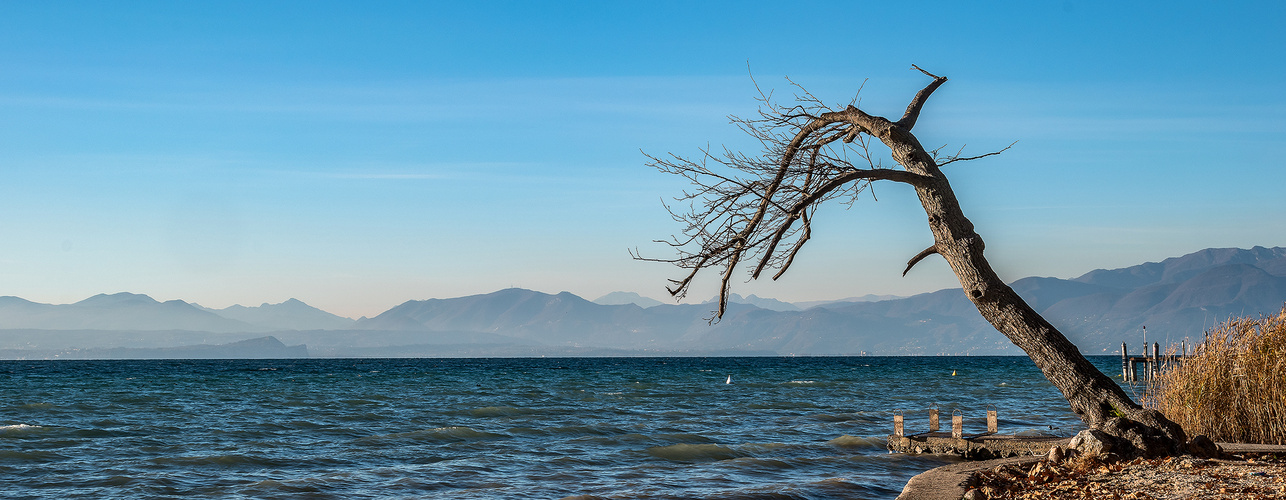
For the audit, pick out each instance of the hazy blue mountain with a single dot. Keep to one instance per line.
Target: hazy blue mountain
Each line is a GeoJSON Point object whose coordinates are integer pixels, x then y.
{"type": "Point", "coordinates": [622, 298]}
{"type": "Point", "coordinates": [257, 348]}
{"type": "Point", "coordinates": [529, 316]}
{"type": "Point", "coordinates": [119, 311]}
{"type": "Point", "coordinates": [1178, 269]}
{"type": "Point", "coordinates": [926, 324]}
{"type": "Point", "coordinates": [292, 314]}
{"type": "Point", "coordinates": [760, 302]}
{"type": "Point", "coordinates": [62, 340]}
{"type": "Point", "coordinates": [619, 298]}
{"type": "Point", "coordinates": [870, 297]}
{"type": "Point", "coordinates": [1175, 298]}
{"type": "Point", "coordinates": [565, 320]}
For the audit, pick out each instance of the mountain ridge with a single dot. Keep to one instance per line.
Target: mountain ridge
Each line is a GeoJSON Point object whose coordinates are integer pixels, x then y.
{"type": "Point", "coordinates": [1178, 297]}
{"type": "Point", "coordinates": [292, 314]}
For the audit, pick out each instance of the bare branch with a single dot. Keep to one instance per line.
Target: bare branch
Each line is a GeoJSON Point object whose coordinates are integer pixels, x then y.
{"type": "Point", "coordinates": [808, 233]}
{"type": "Point", "coordinates": [956, 157]}
{"type": "Point", "coordinates": [744, 208]}
{"type": "Point", "coordinates": [907, 122]}
{"type": "Point", "coordinates": [919, 257]}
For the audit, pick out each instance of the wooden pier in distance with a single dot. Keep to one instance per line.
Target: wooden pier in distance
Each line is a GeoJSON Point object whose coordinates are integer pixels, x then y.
{"type": "Point", "coordinates": [1152, 362]}
{"type": "Point", "coordinates": [983, 446]}
{"type": "Point", "coordinates": [989, 445]}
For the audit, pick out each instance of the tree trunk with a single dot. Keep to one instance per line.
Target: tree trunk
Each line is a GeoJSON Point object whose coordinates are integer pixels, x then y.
{"type": "Point", "coordinates": [739, 218]}
{"type": "Point", "coordinates": [1094, 397]}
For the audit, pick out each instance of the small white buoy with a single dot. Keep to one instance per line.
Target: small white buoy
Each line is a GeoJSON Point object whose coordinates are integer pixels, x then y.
{"type": "Point", "coordinates": [729, 380]}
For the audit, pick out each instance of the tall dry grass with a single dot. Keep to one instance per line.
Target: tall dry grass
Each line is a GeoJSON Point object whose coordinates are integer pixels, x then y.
{"type": "Point", "coordinates": [1234, 388]}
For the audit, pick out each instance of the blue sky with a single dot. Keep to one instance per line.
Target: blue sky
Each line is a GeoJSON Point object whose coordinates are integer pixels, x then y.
{"type": "Point", "coordinates": [357, 155]}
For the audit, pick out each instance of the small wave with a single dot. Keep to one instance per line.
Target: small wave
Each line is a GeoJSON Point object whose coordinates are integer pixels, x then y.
{"type": "Point", "coordinates": [293, 487]}
{"type": "Point", "coordinates": [529, 431]}
{"type": "Point", "coordinates": [615, 440]}
{"type": "Point", "coordinates": [30, 456]}
{"type": "Point", "coordinates": [847, 441]}
{"type": "Point", "coordinates": [442, 435]}
{"type": "Point", "coordinates": [694, 452]}
{"type": "Point", "coordinates": [360, 402]}
{"type": "Point", "coordinates": [500, 411]}
{"type": "Point", "coordinates": [230, 461]}
{"type": "Point", "coordinates": [767, 448]}
{"type": "Point", "coordinates": [782, 405]}
{"type": "Point", "coordinates": [832, 417]}
{"type": "Point", "coordinates": [18, 428]}
{"type": "Point", "coordinates": [113, 481]}
{"type": "Point", "coordinates": [755, 463]}
{"type": "Point", "coordinates": [802, 382]}
{"type": "Point", "coordinates": [587, 430]}
{"type": "Point", "coordinates": [679, 438]}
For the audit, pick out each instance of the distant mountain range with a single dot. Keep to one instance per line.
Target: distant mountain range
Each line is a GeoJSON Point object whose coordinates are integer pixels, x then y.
{"type": "Point", "coordinates": [258, 348]}
{"type": "Point", "coordinates": [129, 311]}
{"type": "Point", "coordinates": [1176, 298]}
{"type": "Point", "coordinates": [292, 314]}
{"type": "Point", "coordinates": [619, 298]}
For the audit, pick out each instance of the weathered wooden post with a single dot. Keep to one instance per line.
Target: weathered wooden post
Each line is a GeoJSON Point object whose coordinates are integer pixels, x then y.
{"type": "Point", "coordinates": [933, 420]}
{"type": "Point", "coordinates": [992, 424]}
{"type": "Point", "coordinates": [1125, 363]}
{"type": "Point", "coordinates": [898, 429]}
{"type": "Point", "coordinates": [957, 424]}
{"type": "Point", "coordinates": [1156, 360]}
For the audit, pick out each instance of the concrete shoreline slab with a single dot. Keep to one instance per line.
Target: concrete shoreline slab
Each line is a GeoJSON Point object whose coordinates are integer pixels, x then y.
{"type": "Point", "coordinates": [950, 482]}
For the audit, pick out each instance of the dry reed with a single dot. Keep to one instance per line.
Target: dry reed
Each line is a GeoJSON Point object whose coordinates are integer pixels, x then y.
{"type": "Point", "coordinates": [1233, 388]}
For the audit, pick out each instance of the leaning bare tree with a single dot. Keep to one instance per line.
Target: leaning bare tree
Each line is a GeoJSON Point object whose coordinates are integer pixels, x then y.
{"type": "Point", "coordinates": [758, 210]}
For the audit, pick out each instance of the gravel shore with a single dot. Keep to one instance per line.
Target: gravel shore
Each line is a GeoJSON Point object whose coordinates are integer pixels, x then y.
{"type": "Point", "coordinates": [1244, 472]}
{"type": "Point", "coordinates": [1168, 478]}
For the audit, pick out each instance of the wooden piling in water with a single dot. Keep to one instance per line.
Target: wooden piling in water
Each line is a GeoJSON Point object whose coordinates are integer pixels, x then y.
{"type": "Point", "coordinates": [1152, 361]}
{"type": "Point", "coordinates": [980, 446]}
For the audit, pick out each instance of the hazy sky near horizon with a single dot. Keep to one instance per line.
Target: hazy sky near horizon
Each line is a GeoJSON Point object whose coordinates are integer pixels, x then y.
{"type": "Point", "coordinates": [355, 155]}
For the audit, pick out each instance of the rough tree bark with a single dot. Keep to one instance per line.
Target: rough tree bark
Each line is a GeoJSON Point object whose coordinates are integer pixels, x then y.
{"type": "Point", "coordinates": [808, 158]}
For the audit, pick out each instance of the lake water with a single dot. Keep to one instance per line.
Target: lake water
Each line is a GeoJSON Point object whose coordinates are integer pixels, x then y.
{"type": "Point", "coordinates": [785, 427]}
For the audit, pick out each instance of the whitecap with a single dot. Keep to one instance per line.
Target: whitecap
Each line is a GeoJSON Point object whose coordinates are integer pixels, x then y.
{"type": "Point", "coordinates": [19, 427]}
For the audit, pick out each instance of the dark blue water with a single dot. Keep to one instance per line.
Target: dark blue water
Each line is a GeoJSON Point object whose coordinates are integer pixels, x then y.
{"type": "Point", "coordinates": [494, 428]}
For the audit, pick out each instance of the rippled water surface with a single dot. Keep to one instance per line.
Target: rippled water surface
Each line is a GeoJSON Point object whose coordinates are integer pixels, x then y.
{"type": "Point", "coordinates": [494, 428]}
